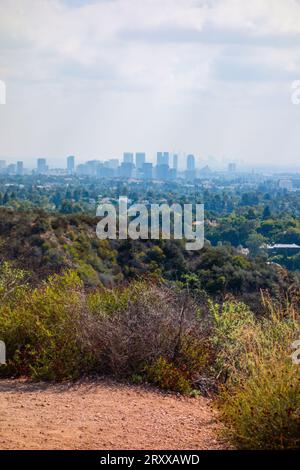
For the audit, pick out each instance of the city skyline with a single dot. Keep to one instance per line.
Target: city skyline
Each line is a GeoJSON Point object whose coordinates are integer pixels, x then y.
{"type": "Point", "coordinates": [131, 165]}
{"type": "Point", "coordinates": [138, 159]}
{"type": "Point", "coordinates": [96, 77]}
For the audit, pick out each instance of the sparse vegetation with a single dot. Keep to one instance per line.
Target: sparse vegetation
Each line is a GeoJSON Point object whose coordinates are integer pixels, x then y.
{"type": "Point", "coordinates": [162, 333]}
{"type": "Point", "coordinates": [260, 400]}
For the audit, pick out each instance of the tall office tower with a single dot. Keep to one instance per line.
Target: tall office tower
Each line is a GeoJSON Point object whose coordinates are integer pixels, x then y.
{"type": "Point", "coordinates": [100, 170]}
{"type": "Point", "coordinates": [80, 169]}
{"type": "Point", "coordinates": [175, 161]}
{"type": "Point", "coordinates": [190, 173]}
{"type": "Point", "coordinates": [162, 172]}
{"type": "Point", "coordinates": [71, 164]}
{"type": "Point", "coordinates": [11, 169]}
{"type": "Point", "coordinates": [41, 166]}
{"type": "Point", "coordinates": [126, 169]}
{"type": "Point", "coordinates": [147, 171]}
{"type": "Point", "coordinates": [2, 166]}
{"type": "Point", "coordinates": [190, 163]}
{"type": "Point", "coordinates": [92, 167]}
{"type": "Point", "coordinates": [232, 167]}
{"type": "Point", "coordinates": [128, 157]}
{"type": "Point", "coordinates": [20, 168]}
{"type": "Point", "coordinates": [140, 158]}
{"type": "Point", "coordinates": [162, 158]}
{"type": "Point", "coordinates": [113, 163]}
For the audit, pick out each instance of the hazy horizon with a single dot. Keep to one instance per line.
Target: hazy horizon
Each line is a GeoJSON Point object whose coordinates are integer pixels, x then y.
{"type": "Point", "coordinates": [96, 78]}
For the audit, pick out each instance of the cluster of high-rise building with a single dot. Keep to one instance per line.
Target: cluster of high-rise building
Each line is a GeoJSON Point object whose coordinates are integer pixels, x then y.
{"type": "Point", "coordinates": [12, 168]}
{"type": "Point", "coordinates": [132, 165]}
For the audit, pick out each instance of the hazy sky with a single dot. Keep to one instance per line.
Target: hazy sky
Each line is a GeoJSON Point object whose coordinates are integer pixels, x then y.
{"type": "Point", "coordinates": [96, 78]}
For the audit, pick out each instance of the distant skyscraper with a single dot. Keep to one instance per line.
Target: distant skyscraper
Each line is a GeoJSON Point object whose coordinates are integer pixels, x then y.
{"type": "Point", "coordinates": [232, 167]}
{"type": "Point", "coordinates": [93, 167]}
{"type": "Point", "coordinates": [175, 162]}
{"type": "Point", "coordinates": [2, 165]}
{"type": "Point", "coordinates": [147, 170]}
{"type": "Point", "coordinates": [140, 158]}
{"type": "Point", "coordinates": [113, 163]}
{"type": "Point", "coordinates": [80, 169]}
{"type": "Point", "coordinates": [42, 165]}
{"type": "Point", "coordinates": [71, 164]}
{"type": "Point", "coordinates": [162, 158]}
{"type": "Point", "coordinates": [190, 163]}
{"type": "Point", "coordinates": [190, 168]}
{"type": "Point", "coordinates": [126, 169]}
{"type": "Point", "coordinates": [162, 172]}
{"type": "Point", "coordinates": [128, 157]}
{"type": "Point", "coordinates": [172, 173]}
{"type": "Point", "coordinates": [20, 168]}
{"type": "Point", "coordinates": [11, 169]}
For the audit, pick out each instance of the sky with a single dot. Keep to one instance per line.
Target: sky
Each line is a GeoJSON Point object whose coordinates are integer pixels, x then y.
{"type": "Point", "coordinates": [96, 78]}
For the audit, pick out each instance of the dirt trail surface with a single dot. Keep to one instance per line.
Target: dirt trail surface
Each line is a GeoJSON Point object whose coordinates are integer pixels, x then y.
{"type": "Point", "coordinates": [102, 415]}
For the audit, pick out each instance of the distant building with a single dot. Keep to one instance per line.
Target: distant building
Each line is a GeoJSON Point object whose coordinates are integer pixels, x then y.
{"type": "Point", "coordinates": [106, 172]}
{"type": "Point", "coordinates": [206, 171]}
{"type": "Point", "coordinates": [162, 158]}
{"type": "Point", "coordinates": [42, 166]}
{"type": "Point", "coordinates": [190, 163]}
{"type": "Point", "coordinates": [126, 169]}
{"type": "Point", "coordinates": [232, 167]}
{"type": "Point", "coordinates": [93, 167]}
{"type": "Point", "coordinates": [80, 169]}
{"type": "Point", "coordinates": [285, 184]}
{"type": "Point", "coordinates": [113, 163]}
{"type": "Point", "coordinates": [283, 246]}
{"type": "Point", "coordinates": [57, 172]}
{"type": "Point", "coordinates": [147, 171]}
{"type": "Point", "coordinates": [2, 166]}
{"type": "Point", "coordinates": [172, 173]}
{"type": "Point", "coordinates": [20, 168]}
{"type": "Point", "coordinates": [140, 159]}
{"type": "Point", "coordinates": [162, 172]}
{"type": "Point", "coordinates": [190, 173]}
{"type": "Point", "coordinates": [175, 162]}
{"type": "Point", "coordinates": [71, 164]}
{"type": "Point", "coordinates": [128, 157]}
{"type": "Point", "coordinates": [11, 169]}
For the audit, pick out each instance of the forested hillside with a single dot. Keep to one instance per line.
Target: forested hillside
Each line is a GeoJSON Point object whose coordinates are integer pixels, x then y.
{"type": "Point", "coordinates": [44, 244]}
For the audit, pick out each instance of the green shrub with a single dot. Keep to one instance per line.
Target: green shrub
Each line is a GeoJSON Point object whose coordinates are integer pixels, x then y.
{"type": "Point", "coordinates": [260, 400]}
{"type": "Point", "coordinates": [44, 332]}
{"type": "Point", "coordinates": [110, 301]}
{"type": "Point", "coordinates": [60, 331]}
{"type": "Point", "coordinates": [264, 412]}
{"type": "Point", "coordinates": [167, 376]}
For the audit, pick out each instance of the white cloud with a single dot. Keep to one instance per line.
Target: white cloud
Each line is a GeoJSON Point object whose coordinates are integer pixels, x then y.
{"type": "Point", "coordinates": [150, 72]}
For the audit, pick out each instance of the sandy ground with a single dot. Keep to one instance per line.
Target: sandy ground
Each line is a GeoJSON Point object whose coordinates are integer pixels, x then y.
{"type": "Point", "coordinates": [102, 415]}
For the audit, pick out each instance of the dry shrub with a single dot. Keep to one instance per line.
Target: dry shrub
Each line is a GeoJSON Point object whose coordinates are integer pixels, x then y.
{"type": "Point", "coordinates": [59, 331]}
{"type": "Point", "coordinates": [156, 323]}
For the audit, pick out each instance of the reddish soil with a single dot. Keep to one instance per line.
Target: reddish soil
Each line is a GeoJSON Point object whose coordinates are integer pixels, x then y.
{"type": "Point", "coordinates": [102, 414]}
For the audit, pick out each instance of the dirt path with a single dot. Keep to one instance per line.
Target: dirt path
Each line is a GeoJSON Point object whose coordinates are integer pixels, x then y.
{"type": "Point", "coordinates": [102, 415]}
